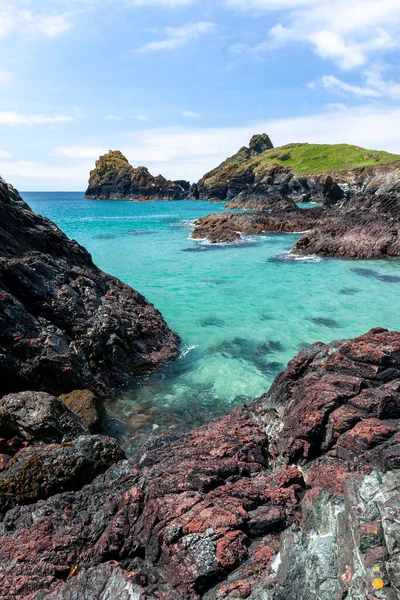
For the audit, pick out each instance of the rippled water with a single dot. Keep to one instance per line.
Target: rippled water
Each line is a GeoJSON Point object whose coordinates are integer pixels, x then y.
{"type": "Point", "coordinates": [242, 311]}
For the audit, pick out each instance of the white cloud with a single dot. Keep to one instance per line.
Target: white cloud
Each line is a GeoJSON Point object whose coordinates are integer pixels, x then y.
{"type": "Point", "coordinates": [142, 118]}
{"type": "Point", "coordinates": [190, 114]}
{"type": "Point", "coordinates": [333, 84]}
{"type": "Point", "coordinates": [375, 85]}
{"type": "Point", "coordinates": [14, 118]}
{"type": "Point", "coordinates": [113, 118]}
{"type": "Point", "coordinates": [348, 33]}
{"type": "Point", "coordinates": [189, 152]}
{"type": "Point", "coordinates": [17, 18]}
{"type": "Point", "coordinates": [5, 154]}
{"type": "Point", "coordinates": [178, 36]}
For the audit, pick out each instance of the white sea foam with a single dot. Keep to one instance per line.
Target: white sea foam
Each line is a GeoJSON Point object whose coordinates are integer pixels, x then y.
{"type": "Point", "coordinates": [313, 258]}
{"type": "Point", "coordinates": [185, 351]}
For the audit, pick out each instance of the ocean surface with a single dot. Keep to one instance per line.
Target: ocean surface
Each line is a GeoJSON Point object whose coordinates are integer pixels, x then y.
{"type": "Point", "coordinates": [242, 311]}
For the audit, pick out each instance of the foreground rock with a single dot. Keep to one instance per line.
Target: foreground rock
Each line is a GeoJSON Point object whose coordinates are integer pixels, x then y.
{"type": "Point", "coordinates": [229, 227]}
{"type": "Point", "coordinates": [258, 177]}
{"type": "Point", "coordinates": [38, 472]}
{"type": "Point", "coordinates": [296, 496]}
{"type": "Point", "coordinates": [368, 227]}
{"type": "Point", "coordinates": [65, 324]}
{"type": "Point", "coordinates": [114, 177]}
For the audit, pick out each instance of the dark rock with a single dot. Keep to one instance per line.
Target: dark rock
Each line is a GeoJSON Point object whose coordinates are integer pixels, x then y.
{"type": "Point", "coordinates": [297, 492]}
{"type": "Point", "coordinates": [228, 227]}
{"type": "Point", "coordinates": [37, 417]}
{"type": "Point", "coordinates": [114, 177]}
{"type": "Point", "coordinates": [38, 472]}
{"type": "Point", "coordinates": [367, 227]}
{"type": "Point", "coordinates": [64, 324]}
{"type": "Point", "coordinates": [84, 404]}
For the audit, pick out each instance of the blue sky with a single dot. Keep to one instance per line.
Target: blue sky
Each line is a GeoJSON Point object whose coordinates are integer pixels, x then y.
{"type": "Point", "coordinates": [177, 85]}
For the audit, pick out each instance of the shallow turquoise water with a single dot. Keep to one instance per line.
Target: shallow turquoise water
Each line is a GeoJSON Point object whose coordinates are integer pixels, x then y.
{"type": "Point", "coordinates": [242, 311]}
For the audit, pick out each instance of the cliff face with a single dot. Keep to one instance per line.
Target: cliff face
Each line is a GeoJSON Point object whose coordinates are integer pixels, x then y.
{"type": "Point", "coordinates": [114, 177]}
{"type": "Point", "coordinates": [64, 324]}
{"type": "Point", "coordinates": [295, 496]}
{"type": "Point", "coordinates": [302, 172]}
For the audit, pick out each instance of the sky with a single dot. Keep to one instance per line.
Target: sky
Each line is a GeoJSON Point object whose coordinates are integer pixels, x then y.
{"type": "Point", "coordinates": [179, 85]}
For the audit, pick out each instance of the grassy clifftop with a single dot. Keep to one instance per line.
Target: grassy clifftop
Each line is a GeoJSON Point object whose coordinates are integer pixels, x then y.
{"type": "Point", "coordinates": [302, 159]}
{"type": "Point", "coordinates": [310, 159]}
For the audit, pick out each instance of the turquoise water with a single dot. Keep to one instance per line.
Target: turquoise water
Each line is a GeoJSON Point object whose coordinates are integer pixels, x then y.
{"type": "Point", "coordinates": [242, 311]}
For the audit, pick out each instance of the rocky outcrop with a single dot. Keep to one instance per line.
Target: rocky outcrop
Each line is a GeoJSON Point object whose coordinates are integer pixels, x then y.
{"type": "Point", "coordinates": [64, 324]}
{"type": "Point", "coordinates": [368, 227]}
{"type": "Point", "coordinates": [230, 227]}
{"type": "Point", "coordinates": [257, 179]}
{"type": "Point", "coordinates": [114, 177]}
{"type": "Point", "coordinates": [38, 472]}
{"type": "Point", "coordinates": [295, 496]}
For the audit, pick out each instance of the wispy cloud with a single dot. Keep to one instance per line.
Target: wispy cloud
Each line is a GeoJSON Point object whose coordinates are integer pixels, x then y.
{"type": "Point", "coordinates": [113, 118]}
{"type": "Point", "coordinates": [190, 114]}
{"type": "Point", "coordinates": [178, 36]}
{"type": "Point", "coordinates": [5, 154]}
{"type": "Point", "coordinates": [142, 118]}
{"type": "Point", "coordinates": [14, 118]}
{"type": "Point", "coordinates": [347, 33]}
{"type": "Point", "coordinates": [376, 86]}
{"type": "Point", "coordinates": [30, 20]}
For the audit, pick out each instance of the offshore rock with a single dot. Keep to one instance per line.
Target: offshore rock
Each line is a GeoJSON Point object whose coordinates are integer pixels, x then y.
{"type": "Point", "coordinates": [229, 227]}
{"type": "Point", "coordinates": [295, 496]}
{"type": "Point", "coordinates": [114, 177]}
{"type": "Point", "coordinates": [366, 227]}
{"type": "Point", "coordinates": [64, 324]}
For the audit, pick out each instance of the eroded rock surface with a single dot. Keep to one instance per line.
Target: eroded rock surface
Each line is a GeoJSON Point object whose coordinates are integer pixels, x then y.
{"type": "Point", "coordinates": [296, 495]}
{"type": "Point", "coordinates": [64, 324]}
{"type": "Point", "coordinates": [114, 177]}
{"type": "Point", "coordinates": [228, 227]}
{"type": "Point", "coordinates": [368, 227]}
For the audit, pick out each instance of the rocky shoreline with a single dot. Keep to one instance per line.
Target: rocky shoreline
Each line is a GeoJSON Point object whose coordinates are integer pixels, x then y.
{"type": "Point", "coordinates": [297, 492]}
{"type": "Point", "coordinates": [360, 228]}
{"type": "Point", "coordinates": [65, 324]}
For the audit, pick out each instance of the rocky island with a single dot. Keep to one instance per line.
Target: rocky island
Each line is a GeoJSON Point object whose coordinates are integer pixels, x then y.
{"type": "Point", "coordinates": [358, 211]}
{"type": "Point", "coordinates": [114, 177]}
{"type": "Point", "coordinates": [260, 175]}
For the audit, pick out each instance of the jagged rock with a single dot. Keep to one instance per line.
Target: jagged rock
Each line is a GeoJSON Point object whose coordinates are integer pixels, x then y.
{"type": "Point", "coordinates": [38, 472]}
{"type": "Point", "coordinates": [84, 404]}
{"type": "Point", "coordinates": [228, 227]}
{"type": "Point", "coordinates": [295, 495]}
{"type": "Point", "coordinates": [366, 227]}
{"type": "Point", "coordinates": [114, 177]}
{"type": "Point", "coordinates": [65, 324]}
{"type": "Point", "coordinates": [37, 417]}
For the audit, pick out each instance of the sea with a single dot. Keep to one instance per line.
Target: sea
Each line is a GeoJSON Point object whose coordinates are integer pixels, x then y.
{"type": "Point", "coordinates": [243, 310]}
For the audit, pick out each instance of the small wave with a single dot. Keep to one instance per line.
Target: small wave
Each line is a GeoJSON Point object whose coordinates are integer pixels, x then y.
{"type": "Point", "coordinates": [185, 351]}
{"type": "Point", "coordinates": [291, 256]}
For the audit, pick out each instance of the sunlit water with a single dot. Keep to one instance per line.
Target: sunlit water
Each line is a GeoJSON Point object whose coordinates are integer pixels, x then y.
{"type": "Point", "coordinates": [242, 311]}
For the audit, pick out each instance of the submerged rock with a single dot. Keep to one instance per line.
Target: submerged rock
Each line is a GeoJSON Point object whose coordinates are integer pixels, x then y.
{"type": "Point", "coordinates": [65, 324]}
{"type": "Point", "coordinates": [114, 177]}
{"type": "Point", "coordinates": [293, 496]}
